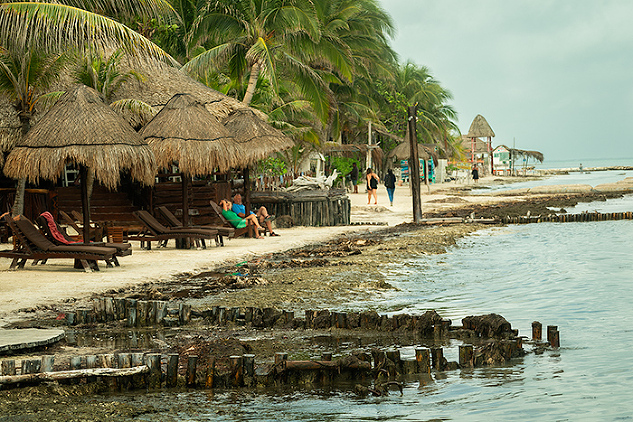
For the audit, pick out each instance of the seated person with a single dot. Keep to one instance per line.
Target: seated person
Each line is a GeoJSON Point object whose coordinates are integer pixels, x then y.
{"type": "Point", "coordinates": [262, 213]}
{"type": "Point", "coordinates": [238, 222]}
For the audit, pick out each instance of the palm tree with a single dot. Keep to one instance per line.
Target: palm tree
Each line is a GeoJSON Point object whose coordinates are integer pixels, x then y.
{"type": "Point", "coordinates": [248, 39]}
{"type": "Point", "coordinates": [33, 31]}
{"type": "Point", "coordinates": [25, 75]}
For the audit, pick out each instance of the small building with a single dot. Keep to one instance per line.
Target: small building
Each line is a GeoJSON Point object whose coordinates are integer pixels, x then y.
{"type": "Point", "coordinates": [501, 160]}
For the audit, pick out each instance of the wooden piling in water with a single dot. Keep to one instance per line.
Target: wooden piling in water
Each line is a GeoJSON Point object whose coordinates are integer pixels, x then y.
{"type": "Point", "coordinates": [423, 357]}
{"type": "Point", "coordinates": [172, 370]}
{"type": "Point", "coordinates": [466, 355]}
{"type": "Point", "coordinates": [537, 331]}
{"type": "Point", "coordinates": [210, 375]}
{"type": "Point", "coordinates": [192, 362]}
{"type": "Point", "coordinates": [550, 330]}
{"type": "Point", "coordinates": [237, 370]}
{"type": "Point", "coordinates": [155, 372]}
{"type": "Point", "coordinates": [437, 358]}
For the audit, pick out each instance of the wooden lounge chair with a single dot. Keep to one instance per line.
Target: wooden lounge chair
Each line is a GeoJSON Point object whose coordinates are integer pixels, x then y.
{"type": "Point", "coordinates": [174, 223]}
{"type": "Point", "coordinates": [31, 244]}
{"type": "Point", "coordinates": [157, 232]}
{"type": "Point", "coordinates": [59, 237]}
{"type": "Point", "coordinates": [248, 230]}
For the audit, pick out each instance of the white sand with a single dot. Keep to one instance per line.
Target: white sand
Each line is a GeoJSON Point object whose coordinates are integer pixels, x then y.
{"type": "Point", "coordinates": [58, 280]}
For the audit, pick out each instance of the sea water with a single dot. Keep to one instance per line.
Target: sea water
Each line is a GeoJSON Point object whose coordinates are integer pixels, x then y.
{"type": "Point", "coordinates": [577, 276]}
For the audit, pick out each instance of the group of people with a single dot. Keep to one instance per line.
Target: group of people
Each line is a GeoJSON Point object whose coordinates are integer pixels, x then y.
{"type": "Point", "coordinates": [372, 183]}
{"type": "Point", "coordinates": [235, 213]}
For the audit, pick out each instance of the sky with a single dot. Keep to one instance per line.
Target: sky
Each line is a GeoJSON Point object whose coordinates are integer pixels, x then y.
{"type": "Point", "coordinates": [555, 76]}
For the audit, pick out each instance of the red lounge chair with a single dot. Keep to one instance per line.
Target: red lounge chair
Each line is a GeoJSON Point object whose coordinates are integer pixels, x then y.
{"type": "Point", "coordinates": [31, 244]}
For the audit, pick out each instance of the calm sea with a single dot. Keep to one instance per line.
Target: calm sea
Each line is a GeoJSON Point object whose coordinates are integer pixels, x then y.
{"type": "Point", "coordinates": [577, 276]}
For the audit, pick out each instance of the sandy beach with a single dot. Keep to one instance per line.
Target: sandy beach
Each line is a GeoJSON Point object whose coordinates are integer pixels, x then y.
{"type": "Point", "coordinates": [34, 286]}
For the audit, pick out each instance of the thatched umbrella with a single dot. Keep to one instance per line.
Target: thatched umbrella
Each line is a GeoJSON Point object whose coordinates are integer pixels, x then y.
{"type": "Point", "coordinates": [257, 138]}
{"type": "Point", "coordinates": [403, 152]}
{"type": "Point", "coordinates": [83, 130]}
{"type": "Point", "coordinates": [186, 133]}
{"type": "Point", "coordinates": [480, 128]}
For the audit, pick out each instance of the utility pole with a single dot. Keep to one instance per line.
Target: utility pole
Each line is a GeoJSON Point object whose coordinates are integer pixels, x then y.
{"type": "Point", "coordinates": [414, 164]}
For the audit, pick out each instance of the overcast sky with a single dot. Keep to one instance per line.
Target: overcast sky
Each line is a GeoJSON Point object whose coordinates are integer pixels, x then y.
{"type": "Point", "coordinates": [554, 75]}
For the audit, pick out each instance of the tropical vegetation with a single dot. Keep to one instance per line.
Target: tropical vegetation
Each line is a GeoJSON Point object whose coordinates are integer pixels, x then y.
{"type": "Point", "coordinates": [320, 69]}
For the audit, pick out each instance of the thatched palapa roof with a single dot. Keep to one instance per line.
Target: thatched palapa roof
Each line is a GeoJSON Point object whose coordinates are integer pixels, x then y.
{"type": "Point", "coordinates": [403, 152]}
{"type": "Point", "coordinates": [162, 82]}
{"type": "Point", "coordinates": [186, 133]}
{"type": "Point", "coordinates": [480, 128]}
{"type": "Point", "coordinates": [481, 146]}
{"type": "Point", "coordinates": [81, 129]}
{"type": "Point", "coordinates": [536, 155]}
{"type": "Point", "coordinates": [257, 138]}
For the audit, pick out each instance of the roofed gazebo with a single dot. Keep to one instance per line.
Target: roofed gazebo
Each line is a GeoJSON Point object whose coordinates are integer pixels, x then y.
{"type": "Point", "coordinates": [185, 133]}
{"type": "Point", "coordinates": [480, 128]}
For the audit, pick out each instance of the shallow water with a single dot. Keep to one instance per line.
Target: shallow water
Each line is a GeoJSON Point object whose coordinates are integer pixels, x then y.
{"type": "Point", "coordinates": [573, 275]}
{"type": "Point", "coordinates": [575, 178]}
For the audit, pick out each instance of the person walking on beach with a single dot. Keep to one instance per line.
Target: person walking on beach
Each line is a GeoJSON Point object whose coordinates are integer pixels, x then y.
{"type": "Point", "coordinates": [390, 184]}
{"type": "Point", "coordinates": [475, 174]}
{"type": "Point", "coordinates": [353, 175]}
{"type": "Point", "coordinates": [372, 186]}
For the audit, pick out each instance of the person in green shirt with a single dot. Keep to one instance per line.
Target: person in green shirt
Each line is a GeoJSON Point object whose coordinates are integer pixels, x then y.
{"type": "Point", "coordinates": [238, 222]}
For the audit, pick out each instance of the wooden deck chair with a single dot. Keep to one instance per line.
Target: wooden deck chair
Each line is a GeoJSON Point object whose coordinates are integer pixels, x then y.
{"type": "Point", "coordinates": [55, 234]}
{"type": "Point", "coordinates": [173, 222]}
{"type": "Point", "coordinates": [248, 230]}
{"type": "Point", "coordinates": [157, 232]}
{"type": "Point", "coordinates": [31, 244]}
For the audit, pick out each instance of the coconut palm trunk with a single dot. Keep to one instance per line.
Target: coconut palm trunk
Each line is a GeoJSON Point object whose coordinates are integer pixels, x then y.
{"type": "Point", "coordinates": [252, 83]}
{"type": "Point", "coordinates": [20, 190]}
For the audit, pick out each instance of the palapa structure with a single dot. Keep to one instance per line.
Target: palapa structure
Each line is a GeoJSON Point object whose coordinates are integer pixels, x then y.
{"type": "Point", "coordinates": [479, 128]}
{"type": "Point", "coordinates": [403, 152]}
{"type": "Point", "coordinates": [184, 132]}
{"type": "Point", "coordinates": [82, 130]}
{"type": "Point", "coordinates": [257, 138]}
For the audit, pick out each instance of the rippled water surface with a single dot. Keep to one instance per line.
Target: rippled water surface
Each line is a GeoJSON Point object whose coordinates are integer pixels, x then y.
{"type": "Point", "coordinates": [577, 276]}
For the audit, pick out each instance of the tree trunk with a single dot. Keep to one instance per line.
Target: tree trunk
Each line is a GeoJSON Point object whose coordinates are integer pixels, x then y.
{"type": "Point", "coordinates": [252, 82]}
{"type": "Point", "coordinates": [18, 202]}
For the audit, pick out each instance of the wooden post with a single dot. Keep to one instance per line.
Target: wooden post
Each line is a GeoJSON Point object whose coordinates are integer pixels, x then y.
{"type": "Point", "coordinates": [237, 367]}
{"type": "Point", "coordinates": [466, 355]}
{"type": "Point", "coordinates": [119, 305]}
{"type": "Point", "coordinates": [414, 165]}
{"type": "Point", "coordinates": [142, 313]}
{"type": "Point", "coordinates": [210, 373]}
{"type": "Point", "coordinates": [172, 370]}
{"type": "Point", "coordinates": [249, 369]}
{"type": "Point", "coordinates": [130, 307]}
{"type": "Point", "coordinates": [537, 331]}
{"type": "Point", "coordinates": [109, 309]}
{"type": "Point", "coordinates": [91, 361]}
{"type": "Point", "coordinates": [75, 362]}
{"type": "Point", "coordinates": [437, 357]}
{"type": "Point", "coordinates": [423, 356]}
{"type": "Point", "coordinates": [47, 363]}
{"type": "Point", "coordinates": [192, 362]}
{"type": "Point", "coordinates": [85, 201]}
{"type": "Point", "coordinates": [184, 313]}
{"type": "Point", "coordinates": [550, 330]}
{"type": "Point", "coordinates": [7, 367]}
{"type": "Point", "coordinates": [247, 189]}
{"type": "Point", "coordinates": [155, 373]}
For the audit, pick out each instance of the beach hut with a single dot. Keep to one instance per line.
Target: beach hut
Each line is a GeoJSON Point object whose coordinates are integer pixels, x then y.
{"type": "Point", "coordinates": [474, 146]}
{"type": "Point", "coordinates": [402, 153]}
{"type": "Point", "coordinates": [81, 129]}
{"type": "Point", "coordinates": [186, 133]}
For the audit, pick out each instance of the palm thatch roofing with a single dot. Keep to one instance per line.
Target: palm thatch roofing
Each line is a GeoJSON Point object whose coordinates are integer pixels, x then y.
{"type": "Point", "coordinates": [515, 153]}
{"type": "Point", "coordinates": [351, 150]}
{"type": "Point", "coordinates": [160, 83]}
{"type": "Point", "coordinates": [186, 133]}
{"type": "Point", "coordinates": [403, 152]}
{"type": "Point", "coordinates": [257, 138]}
{"type": "Point", "coordinates": [480, 128]}
{"type": "Point", "coordinates": [81, 129]}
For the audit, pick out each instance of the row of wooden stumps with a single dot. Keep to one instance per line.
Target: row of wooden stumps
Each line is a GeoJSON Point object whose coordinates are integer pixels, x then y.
{"type": "Point", "coordinates": [569, 218]}
{"type": "Point", "coordinates": [125, 371]}
{"type": "Point", "coordinates": [136, 313]}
